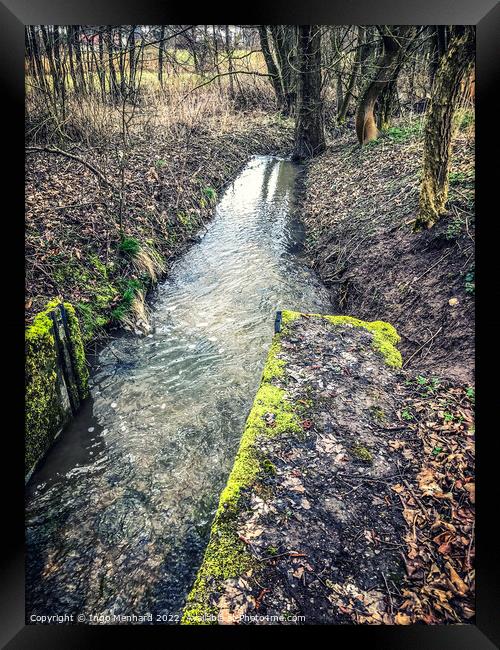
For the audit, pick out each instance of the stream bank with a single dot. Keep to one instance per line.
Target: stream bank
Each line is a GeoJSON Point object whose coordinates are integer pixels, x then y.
{"type": "Point", "coordinates": [359, 205]}
{"type": "Point", "coordinates": [77, 253]}
{"type": "Point", "coordinates": [82, 250]}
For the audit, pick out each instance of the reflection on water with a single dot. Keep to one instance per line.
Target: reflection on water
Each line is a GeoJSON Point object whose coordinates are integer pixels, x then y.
{"type": "Point", "coordinates": [120, 512]}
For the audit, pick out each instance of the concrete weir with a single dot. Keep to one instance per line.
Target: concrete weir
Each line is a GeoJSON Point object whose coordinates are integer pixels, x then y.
{"type": "Point", "coordinates": [302, 529]}
{"type": "Point", "coordinates": [56, 378]}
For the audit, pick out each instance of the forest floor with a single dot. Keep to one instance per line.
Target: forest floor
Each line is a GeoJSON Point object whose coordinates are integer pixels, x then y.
{"type": "Point", "coordinates": [74, 248]}
{"type": "Point", "coordinates": [359, 205]}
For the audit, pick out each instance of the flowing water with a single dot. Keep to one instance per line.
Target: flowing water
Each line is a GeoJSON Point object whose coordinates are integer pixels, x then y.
{"type": "Point", "coordinates": [119, 513]}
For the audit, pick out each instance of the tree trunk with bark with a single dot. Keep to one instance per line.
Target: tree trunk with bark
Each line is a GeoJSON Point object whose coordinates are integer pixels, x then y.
{"type": "Point", "coordinates": [395, 40]}
{"type": "Point", "coordinates": [271, 66]}
{"type": "Point", "coordinates": [309, 128]}
{"type": "Point", "coordinates": [388, 100]}
{"type": "Point", "coordinates": [453, 69]}
{"type": "Point", "coordinates": [344, 106]}
{"type": "Point", "coordinates": [161, 47]}
{"type": "Point", "coordinates": [284, 42]}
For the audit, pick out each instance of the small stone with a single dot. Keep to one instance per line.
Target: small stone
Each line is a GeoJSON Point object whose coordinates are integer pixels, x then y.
{"type": "Point", "coordinates": [90, 429]}
{"type": "Point", "coordinates": [453, 301]}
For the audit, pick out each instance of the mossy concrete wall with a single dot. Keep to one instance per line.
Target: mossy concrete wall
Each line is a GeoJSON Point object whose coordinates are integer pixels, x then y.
{"type": "Point", "coordinates": [56, 377]}
{"type": "Point", "coordinates": [227, 556]}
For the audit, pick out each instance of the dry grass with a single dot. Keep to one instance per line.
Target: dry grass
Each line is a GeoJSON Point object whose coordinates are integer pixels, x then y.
{"type": "Point", "coordinates": [137, 319]}
{"type": "Point", "coordinates": [147, 262]}
{"type": "Point", "coordinates": [180, 104]}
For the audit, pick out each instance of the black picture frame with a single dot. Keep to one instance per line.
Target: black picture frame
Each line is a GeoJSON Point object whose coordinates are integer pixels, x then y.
{"type": "Point", "coordinates": [485, 14]}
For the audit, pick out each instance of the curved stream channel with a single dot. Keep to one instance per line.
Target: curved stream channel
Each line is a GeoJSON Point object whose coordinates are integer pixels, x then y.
{"type": "Point", "coordinates": [119, 514]}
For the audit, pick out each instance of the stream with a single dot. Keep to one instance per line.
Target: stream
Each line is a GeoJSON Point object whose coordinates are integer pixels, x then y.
{"type": "Point", "coordinates": [119, 513]}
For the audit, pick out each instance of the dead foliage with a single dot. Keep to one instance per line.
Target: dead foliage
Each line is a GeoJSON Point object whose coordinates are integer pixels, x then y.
{"type": "Point", "coordinates": [171, 182]}
{"type": "Point", "coordinates": [438, 507]}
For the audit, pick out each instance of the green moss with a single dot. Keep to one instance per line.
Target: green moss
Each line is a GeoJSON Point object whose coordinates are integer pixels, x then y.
{"type": "Point", "coordinates": [129, 246]}
{"type": "Point", "coordinates": [362, 453]}
{"type": "Point", "coordinates": [226, 555]}
{"type": "Point", "coordinates": [79, 360]}
{"type": "Point", "coordinates": [268, 467]}
{"type": "Point", "coordinates": [43, 411]}
{"type": "Point", "coordinates": [378, 413]}
{"type": "Point", "coordinates": [385, 337]}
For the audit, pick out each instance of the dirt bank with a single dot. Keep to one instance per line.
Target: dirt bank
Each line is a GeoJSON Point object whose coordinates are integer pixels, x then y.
{"type": "Point", "coordinates": [358, 207]}
{"type": "Point", "coordinates": [74, 247]}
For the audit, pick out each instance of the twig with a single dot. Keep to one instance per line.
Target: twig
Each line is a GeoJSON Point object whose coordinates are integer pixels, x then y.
{"type": "Point", "coordinates": [389, 594]}
{"type": "Point", "coordinates": [288, 553]}
{"type": "Point", "coordinates": [71, 156]}
{"type": "Point", "coordinates": [421, 347]}
{"type": "Point", "coordinates": [431, 267]}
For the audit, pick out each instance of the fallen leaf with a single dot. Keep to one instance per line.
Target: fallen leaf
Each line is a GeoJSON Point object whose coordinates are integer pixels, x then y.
{"type": "Point", "coordinates": [402, 619]}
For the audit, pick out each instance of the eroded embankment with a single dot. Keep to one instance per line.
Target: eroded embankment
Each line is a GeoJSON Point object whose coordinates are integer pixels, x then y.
{"type": "Point", "coordinates": [332, 503]}
{"type": "Point", "coordinates": [359, 208]}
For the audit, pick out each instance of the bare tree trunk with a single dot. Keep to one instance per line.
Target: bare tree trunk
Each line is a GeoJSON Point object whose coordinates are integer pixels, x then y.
{"type": "Point", "coordinates": [72, 72]}
{"type": "Point", "coordinates": [309, 128]}
{"type": "Point", "coordinates": [49, 53]}
{"type": "Point", "coordinates": [102, 70]}
{"type": "Point", "coordinates": [388, 99]}
{"type": "Point", "coordinates": [453, 69]}
{"type": "Point", "coordinates": [342, 113]}
{"type": "Point", "coordinates": [229, 62]}
{"type": "Point", "coordinates": [38, 60]}
{"type": "Point", "coordinates": [61, 77]}
{"type": "Point", "coordinates": [395, 41]}
{"type": "Point", "coordinates": [132, 60]}
{"type": "Point", "coordinates": [79, 62]}
{"type": "Point", "coordinates": [216, 57]}
{"type": "Point", "coordinates": [30, 54]}
{"type": "Point", "coordinates": [161, 54]}
{"type": "Point", "coordinates": [113, 86]}
{"type": "Point", "coordinates": [284, 45]}
{"type": "Point", "coordinates": [271, 66]}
